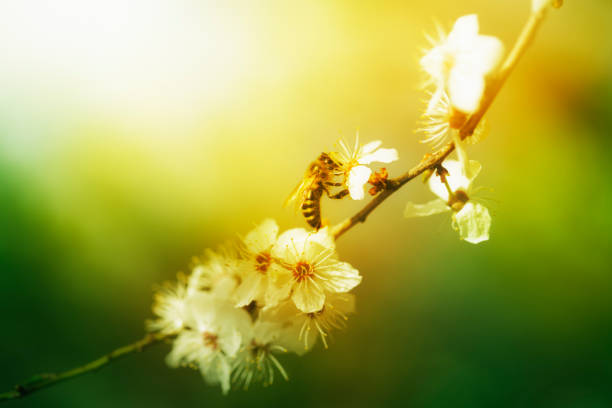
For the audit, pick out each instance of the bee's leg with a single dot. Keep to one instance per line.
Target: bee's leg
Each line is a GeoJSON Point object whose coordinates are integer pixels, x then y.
{"type": "Point", "coordinates": [339, 195]}
{"type": "Point", "coordinates": [330, 184]}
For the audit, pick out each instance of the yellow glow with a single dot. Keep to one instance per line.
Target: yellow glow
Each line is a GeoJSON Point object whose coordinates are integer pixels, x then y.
{"type": "Point", "coordinates": [136, 59]}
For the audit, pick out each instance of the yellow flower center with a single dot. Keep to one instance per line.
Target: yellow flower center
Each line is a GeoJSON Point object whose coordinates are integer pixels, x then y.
{"type": "Point", "coordinates": [210, 340]}
{"type": "Point", "coordinates": [262, 262]}
{"type": "Point", "coordinates": [302, 271]}
{"type": "Point", "coordinates": [457, 200]}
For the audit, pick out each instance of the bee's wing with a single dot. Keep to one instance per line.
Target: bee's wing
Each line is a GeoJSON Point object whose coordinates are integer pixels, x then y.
{"type": "Point", "coordinates": [298, 192]}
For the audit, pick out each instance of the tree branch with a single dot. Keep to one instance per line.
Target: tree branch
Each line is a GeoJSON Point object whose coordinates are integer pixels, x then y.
{"type": "Point", "coordinates": [45, 380]}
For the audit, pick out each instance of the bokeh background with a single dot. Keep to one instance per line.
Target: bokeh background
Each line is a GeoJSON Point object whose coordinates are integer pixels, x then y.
{"type": "Point", "coordinates": [134, 134]}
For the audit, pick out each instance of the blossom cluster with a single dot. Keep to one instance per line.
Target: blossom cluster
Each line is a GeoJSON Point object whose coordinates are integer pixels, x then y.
{"type": "Point", "coordinates": [274, 293]}
{"type": "Point", "coordinates": [246, 303]}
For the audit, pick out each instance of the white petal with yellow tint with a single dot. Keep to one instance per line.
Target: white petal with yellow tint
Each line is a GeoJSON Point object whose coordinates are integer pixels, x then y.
{"type": "Point", "coordinates": [338, 277]}
{"type": "Point", "coordinates": [290, 243]}
{"type": "Point", "coordinates": [323, 238]}
{"type": "Point", "coordinates": [457, 179]}
{"type": "Point", "coordinates": [288, 321]}
{"type": "Point", "coordinates": [473, 222]}
{"type": "Point", "coordinates": [485, 54]}
{"type": "Point", "coordinates": [463, 33]}
{"type": "Point", "coordinates": [262, 237]}
{"type": "Point", "coordinates": [216, 370]}
{"type": "Point", "coordinates": [369, 147]}
{"type": "Point", "coordinates": [357, 178]}
{"type": "Point", "coordinates": [308, 297]}
{"type": "Point", "coordinates": [380, 155]}
{"type": "Point", "coordinates": [465, 89]}
{"type": "Point", "coordinates": [249, 289]}
{"type": "Point", "coordinates": [279, 288]}
{"type": "Point", "coordinates": [230, 342]}
{"type": "Point", "coordinates": [424, 210]}
{"type": "Point", "coordinates": [433, 64]}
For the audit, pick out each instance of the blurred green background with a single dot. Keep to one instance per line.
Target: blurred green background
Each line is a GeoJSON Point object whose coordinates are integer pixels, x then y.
{"type": "Point", "coordinates": [134, 134]}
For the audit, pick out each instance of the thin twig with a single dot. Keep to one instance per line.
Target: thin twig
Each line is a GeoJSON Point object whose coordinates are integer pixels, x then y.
{"type": "Point", "coordinates": [430, 161]}
{"type": "Point", "coordinates": [41, 381]}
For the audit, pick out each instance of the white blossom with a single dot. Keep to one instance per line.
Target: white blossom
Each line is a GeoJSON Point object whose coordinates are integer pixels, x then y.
{"type": "Point", "coordinates": [470, 218]}
{"type": "Point", "coordinates": [169, 307]}
{"type": "Point", "coordinates": [258, 271]}
{"type": "Point", "coordinates": [308, 327]}
{"type": "Point", "coordinates": [355, 163]}
{"type": "Point", "coordinates": [459, 64]}
{"type": "Point", "coordinates": [218, 272]}
{"type": "Point", "coordinates": [440, 121]}
{"type": "Point", "coordinates": [312, 269]}
{"type": "Point", "coordinates": [212, 338]}
{"type": "Point", "coordinates": [256, 361]}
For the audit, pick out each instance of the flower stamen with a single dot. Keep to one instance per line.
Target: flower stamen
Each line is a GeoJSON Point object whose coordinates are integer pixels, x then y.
{"type": "Point", "coordinates": [302, 271]}
{"type": "Point", "coordinates": [262, 262]}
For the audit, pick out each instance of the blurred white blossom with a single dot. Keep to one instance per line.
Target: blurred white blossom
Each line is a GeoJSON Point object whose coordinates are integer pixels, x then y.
{"type": "Point", "coordinates": [308, 327]}
{"type": "Point", "coordinates": [440, 121]}
{"type": "Point", "coordinates": [459, 63]}
{"type": "Point", "coordinates": [212, 337]}
{"type": "Point", "coordinates": [256, 361]}
{"type": "Point", "coordinates": [169, 307]}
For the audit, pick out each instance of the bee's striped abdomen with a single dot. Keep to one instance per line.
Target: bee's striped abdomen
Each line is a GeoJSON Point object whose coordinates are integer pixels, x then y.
{"type": "Point", "coordinates": [311, 207]}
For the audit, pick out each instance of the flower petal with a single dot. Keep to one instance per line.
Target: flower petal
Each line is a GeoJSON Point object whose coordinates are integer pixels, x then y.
{"type": "Point", "coordinates": [369, 147]}
{"type": "Point", "coordinates": [230, 342]}
{"type": "Point", "coordinates": [290, 244]}
{"type": "Point", "coordinates": [463, 32]}
{"type": "Point", "coordinates": [473, 222]}
{"type": "Point", "coordinates": [465, 89]}
{"type": "Point", "coordinates": [249, 288]}
{"type": "Point", "coordinates": [216, 370]}
{"type": "Point", "coordinates": [433, 64]}
{"type": "Point", "coordinates": [280, 283]}
{"type": "Point", "coordinates": [323, 238]}
{"type": "Point", "coordinates": [307, 297]}
{"type": "Point", "coordinates": [380, 155]}
{"type": "Point", "coordinates": [457, 180]}
{"type": "Point", "coordinates": [357, 178]}
{"type": "Point", "coordinates": [486, 54]}
{"type": "Point", "coordinates": [262, 237]}
{"type": "Point", "coordinates": [338, 277]}
{"type": "Point", "coordinates": [424, 210]}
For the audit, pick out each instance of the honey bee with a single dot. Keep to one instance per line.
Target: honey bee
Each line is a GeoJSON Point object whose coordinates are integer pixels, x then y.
{"type": "Point", "coordinates": [320, 178]}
